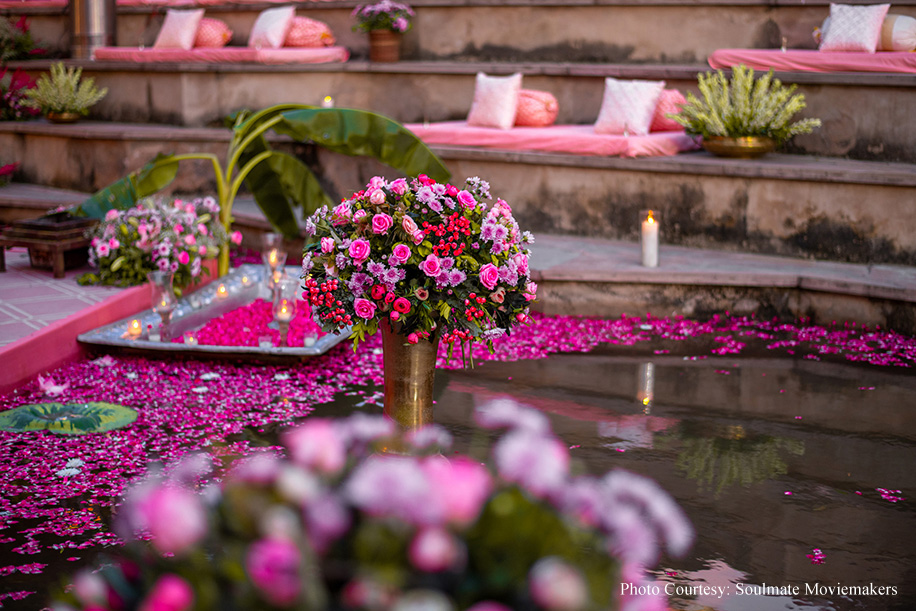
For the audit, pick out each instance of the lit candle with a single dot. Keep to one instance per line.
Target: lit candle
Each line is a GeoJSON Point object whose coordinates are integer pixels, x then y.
{"type": "Point", "coordinates": [285, 313]}
{"type": "Point", "coordinates": [646, 392]}
{"type": "Point", "coordinates": [272, 257]}
{"type": "Point", "coordinates": [134, 328]}
{"type": "Point", "coordinates": [327, 102]}
{"type": "Point", "coordinates": [649, 240]}
{"type": "Point", "coordinates": [190, 339]}
{"type": "Point", "coordinates": [246, 280]}
{"type": "Point", "coordinates": [222, 291]}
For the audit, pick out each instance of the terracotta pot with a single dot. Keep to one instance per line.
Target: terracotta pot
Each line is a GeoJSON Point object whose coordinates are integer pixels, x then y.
{"type": "Point", "coordinates": [747, 147]}
{"type": "Point", "coordinates": [63, 117]}
{"type": "Point", "coordinates": [410, 370]}
{"type": "Point", "coordinates": [384, 46]}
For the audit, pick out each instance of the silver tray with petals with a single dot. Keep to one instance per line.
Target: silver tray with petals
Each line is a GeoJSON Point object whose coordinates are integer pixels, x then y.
{"type": "Point", "coordinates": [240, 287]}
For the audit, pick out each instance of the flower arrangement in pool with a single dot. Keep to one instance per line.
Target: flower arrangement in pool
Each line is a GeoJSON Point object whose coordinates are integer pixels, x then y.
{"type": "Point", "coordinates": [384, 15]}
{"type": "Point", "coordinates": [339, 523]}
{"type": "Point", "coordinates": [428, 258]}
{"type": "Point", "coordinates": [157, 234]}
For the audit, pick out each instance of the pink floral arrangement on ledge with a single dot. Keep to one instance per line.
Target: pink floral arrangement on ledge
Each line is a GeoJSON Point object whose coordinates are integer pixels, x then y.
{"type": "Point", "coordinates": [245, 325]}
{"type": "Point", "coordinates": [426, 257]}
{"type": "Point", "coordinates": [338, 523]}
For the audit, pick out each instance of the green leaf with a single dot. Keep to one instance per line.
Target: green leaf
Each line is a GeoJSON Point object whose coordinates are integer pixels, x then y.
{"type": "Point", "coordinates": [124, 193]}
{"type": "Point", "coordinates": [117, 263]}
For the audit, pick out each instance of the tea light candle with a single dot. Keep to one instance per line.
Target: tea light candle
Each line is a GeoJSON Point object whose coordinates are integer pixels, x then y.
{"type": "Point", "coordinates": [246, 280]}
{"type": "Point", "coordinates": [649, 240]}
{"type": "Point", "coordinates": [285, 312]}
{"type": "Point", "coordinates": [327, 102]}
{"type": "Point", "coordinates": [309, 340]}
{"type": "Point", "coordinates": [154, 334]}
{"type": "Point", "coordinates": [272, 258]}
{"type": "Point", "coordinates": [222, 291]}
{"type": "Point", "coordinates": [265, 341]}
{"type": "Point", "coordinates": [190, 339]}
{"type": "Point", "coordinates": [134, 328]}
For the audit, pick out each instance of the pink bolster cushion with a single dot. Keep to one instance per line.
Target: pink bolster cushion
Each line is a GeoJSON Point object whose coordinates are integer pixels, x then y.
{"type": "Point", "coordinates": [670, 101]}
{"type": "Point", "coordinates": [305, 32]}
{"type": "Point", "coordinates": [212, 33]}
{"type": "Point", "coordinates": [536, 108]}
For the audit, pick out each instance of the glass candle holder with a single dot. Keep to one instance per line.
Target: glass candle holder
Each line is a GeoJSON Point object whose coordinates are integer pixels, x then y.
{"type": "Point", "coordinates": [648, 237]}
{"type": "Point", "coordinates": [162, 295]}
{"type": "Point", "coordinates": [272, 251]}
{"type": "Point", "coordinates": [284, 305]}
{"type": "Point", "coordinates": [645, 392]}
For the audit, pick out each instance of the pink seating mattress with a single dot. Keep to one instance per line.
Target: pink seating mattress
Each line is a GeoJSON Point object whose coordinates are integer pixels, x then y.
{"type": "Point", "coordinates": [225, 55]}
{"type": "Point", "coordinates": [5, 4]}
{"type": "Point", "coordinates": [575, 139]}
{"type": "Point", "coordinates": [801, 60]}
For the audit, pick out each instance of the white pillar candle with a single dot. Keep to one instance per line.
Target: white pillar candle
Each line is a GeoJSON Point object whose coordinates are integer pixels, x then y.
{"type": "Point", "coordinates": [649, 240]}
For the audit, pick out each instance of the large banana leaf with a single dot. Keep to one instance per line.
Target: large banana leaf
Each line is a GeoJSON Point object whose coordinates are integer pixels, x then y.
{"type": "Point", "coordinates": [123, 194]}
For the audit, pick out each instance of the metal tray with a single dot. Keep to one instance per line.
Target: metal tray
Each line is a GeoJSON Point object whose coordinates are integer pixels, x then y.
{"type": "Point", "coordinates": [243, 285]}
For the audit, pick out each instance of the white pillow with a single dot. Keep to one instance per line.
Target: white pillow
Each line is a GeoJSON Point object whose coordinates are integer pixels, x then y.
{"type": "Point", "coordinates": [270, 28]}
{"type": "Point", "coordinates": [898, 33]}
{"type": "Point", "coordinates": [495, 101]}
{"type": "Point", "coordinates": [854, 28]}
{"type": "Point", "coordinates": [628, 106]}
{"type": "Point", "coordinates": [179, 29]}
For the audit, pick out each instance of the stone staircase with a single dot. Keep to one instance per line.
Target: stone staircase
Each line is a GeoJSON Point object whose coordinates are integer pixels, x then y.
{"type": "Point", "coordinates": [842, 194]}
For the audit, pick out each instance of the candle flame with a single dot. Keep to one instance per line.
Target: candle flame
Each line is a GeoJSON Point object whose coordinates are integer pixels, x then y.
{"type": "Point", "coordinates": [221, 289]}
{"type": "Point", "coordinates": [650, 217]}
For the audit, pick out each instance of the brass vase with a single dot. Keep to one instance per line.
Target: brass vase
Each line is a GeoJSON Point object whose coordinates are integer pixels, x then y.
{"type": "Point", "coordinates": [63, 117]}
{"type": "Point", "coordinates": [384, 46]}
{"type": "Point", "coordinates": [747, 147]}
{"type": "Point", "coordinates": [410, 370]}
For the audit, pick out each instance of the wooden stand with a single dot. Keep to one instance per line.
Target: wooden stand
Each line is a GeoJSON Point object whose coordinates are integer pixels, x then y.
{"type": "Point", "coordinates": [53, 243]}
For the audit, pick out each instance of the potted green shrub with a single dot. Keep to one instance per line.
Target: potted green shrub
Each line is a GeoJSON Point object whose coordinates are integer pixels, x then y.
{"type": "Point", "coordinates": [62, 96]}
{"type": "Point", "coordinates": [743, 116]}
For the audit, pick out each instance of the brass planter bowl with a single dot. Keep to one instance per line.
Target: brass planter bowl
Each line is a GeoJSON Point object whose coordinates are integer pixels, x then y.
{"type": "Point", "coordinates": [63, 117]}
{"type": "Point", "coordinates": [747, 147]}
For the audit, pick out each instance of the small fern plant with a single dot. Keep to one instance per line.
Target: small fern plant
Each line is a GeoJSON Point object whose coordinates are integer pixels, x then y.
{"type": "Point", "coordinates": [63, 92]}
{"type": "Point", "coordinates": [744, 107]}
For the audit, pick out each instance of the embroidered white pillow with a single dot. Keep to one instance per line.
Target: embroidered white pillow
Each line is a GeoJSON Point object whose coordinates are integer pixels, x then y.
{"type": "Point", "coordinates": [628, 106]}
{"type": "Point", "coordinates": [854, 28]}
{"type": "Point", "coordinates": [270, 28]}
{"type": "Point", "coordinates": [495, 101]}
{"type": "Point", "coordinates": [179, 29]}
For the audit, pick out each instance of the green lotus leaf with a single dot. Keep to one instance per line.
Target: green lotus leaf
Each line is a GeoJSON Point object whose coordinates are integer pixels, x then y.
{"type": "Point", "coordinates": [67, 418]}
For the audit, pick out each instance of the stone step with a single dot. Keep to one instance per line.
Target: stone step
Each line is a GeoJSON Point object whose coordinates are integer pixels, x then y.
{"type": "Point", "coordinates": [607, 31]}
{"type": "Point", "coordinates": [796, 205]}
{"type": "Point", "coordinates": [198, 95]}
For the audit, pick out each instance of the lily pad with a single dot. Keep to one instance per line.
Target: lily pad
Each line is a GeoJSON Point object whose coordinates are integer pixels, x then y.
{"type": "Point", "coordinates": [67, 418]}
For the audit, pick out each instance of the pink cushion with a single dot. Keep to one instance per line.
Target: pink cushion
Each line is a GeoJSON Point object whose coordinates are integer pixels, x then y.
{"type": "Point", "coordinates": [571, 139]}
{"type": "Point", "coordinates": [179, 29]}
{"type": "Point", "coordinates": [803, 60]}
{"type": "Point", "coordinates": [270, 28]}
{"type": "Point", "coordinates": [224, 55]}
{"type": "Point", "coordinates": [670, 102]}
{"type": "Point", "coordinates": [212, 33]}
{"type": "Point", "coordinates": [854, 28]}
{"type": "Point", "coordinates": [536, 108]}
{"type": "Point", "coordinates": [305, 32]}
{"type": "Point", "coordinates": [628, 106]}
{"type": "Point", "coordinates": [495, 101]}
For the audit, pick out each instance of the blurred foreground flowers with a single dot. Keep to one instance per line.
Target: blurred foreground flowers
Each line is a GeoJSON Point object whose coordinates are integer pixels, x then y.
{"type": "Point", "coordinates": [343, 522]}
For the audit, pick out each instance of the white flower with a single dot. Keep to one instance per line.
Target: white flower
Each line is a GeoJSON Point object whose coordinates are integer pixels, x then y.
{"type": "Point", "coordinates": [200, 389]}
{"type": "Point", "coordinates": [67, 472]}
{"type": "Point", "coordinates": [74, 463]}
{"type": "Point", "coordinates": [210, 376]}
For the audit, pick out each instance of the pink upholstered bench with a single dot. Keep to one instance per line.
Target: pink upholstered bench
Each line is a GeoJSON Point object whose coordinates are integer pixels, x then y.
{"type": "Point", "coordinates": [802, 60]}
{"type": "Point", "coordinates": [224, 55]}
{"type": "Point", "coordinates": [572, 139]}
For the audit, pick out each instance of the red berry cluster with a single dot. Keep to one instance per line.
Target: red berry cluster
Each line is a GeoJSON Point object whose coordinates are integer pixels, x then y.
{"type": "Point", "coordinates": [330, 307]}
{"type": "Point", "coordinates": [449, 234]}
{"type": "Point", "coordinates": [472, 310]}
{"type": "Point", "coordinates": [458, 335]}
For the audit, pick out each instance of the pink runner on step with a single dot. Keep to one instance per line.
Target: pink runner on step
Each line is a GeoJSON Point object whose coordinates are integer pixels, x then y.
{"type": "Point", "coordinates": [225, 55]}
{"type": "Point", "coordinates": [574, 139]}
{"type": "Point", "coordinates": [802, 60]}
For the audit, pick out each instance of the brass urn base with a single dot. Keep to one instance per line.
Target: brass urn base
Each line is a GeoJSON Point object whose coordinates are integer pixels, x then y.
{"type": "Point", "coordinates": [63, 117]}
{"type": "Point", "coordinates": [410, 370]}
{"type": "Point", "coordinates": [747, 147]}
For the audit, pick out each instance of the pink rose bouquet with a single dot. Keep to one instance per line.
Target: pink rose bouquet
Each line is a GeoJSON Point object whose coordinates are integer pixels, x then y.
{"type": "Point", "coordinates": [425, 256]}
{"type": "Point", "coordinates": [384, 15]}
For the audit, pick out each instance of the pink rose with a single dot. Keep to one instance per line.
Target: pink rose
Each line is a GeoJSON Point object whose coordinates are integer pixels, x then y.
{"type": "Point", "coordinates": [378, 291]}
{"type": "Point", "coordinates": [235, 237]}
{"type": "Point", "coordinates": [521, 263]}
{"type": "Point", "coordinates": [418, 237]}
{"type": "Point", "coordinates": [413, 338]}
{"type": "Point", "coordinates": [531, 290]}
{"type": "Point", "coordinates": [111, 215]}
{"type": "Point", "coordinates": [377, 197]}
{"type": "Point", "coordinates": [359, 250]}
{"type": "Point", "coordinates": [451, 190]}
{"type": "Point", "coordinates": [401, 252]}
{"type": "Point", "coordinates": [202, 229]}
{"type": "Point", "coordinates": [389, 297]}
{"type": "Point", "coordinates": [327, 244]}
{"type": "Point", "coordinates": [408, 225]}
{"type": "Point", "coordinates": [184, 258]}
{"type": "Point", "coordinates": [360, 215]}
{"type": "Point", "coordinates": [316, 445]}
{"type": "Point", "coordinates": [169, 593]}
{"type": "Point", "coordinates": [433, 550]}
{"type": "Point", "coordinates": [557, 585]}
{"type": "Point", "coordinates": [431, 267]}
{"type": "Point", "coordinates": [376, 182]}
{"type": "Point", "coordinates": [381, 222]}
{"type": "Point", "coordinates": [179, 228]}
{"type": "Point", "coordinates": [401, 305]}
{"type": "Point", "coordinates": [190, 240]}
{"type": "Point", "coordinates": [399, 186]}
{"type": "Point", "coordinates": [489, 275]}
{"type": "Point", "coordinates": [113, 243]}
{"type": "Point", "coordinates": [342, 211]}
{"type": "Point", "coordinates": [466, 199]}
{"type": "Point", "coordinates": [425, 180]}
{"type": "Point", "coordinates": [202, 250]}
{"type": "Point", "coordinates": [273, 567]}
{"type": "Point", "coordinates": [462, 486]}
{"type": "Point", "coordinates": [364, 308]}
{"type": "Point", "coordinates": [173, 516]}
{"type": "Point", "coordinates": [395, 316]}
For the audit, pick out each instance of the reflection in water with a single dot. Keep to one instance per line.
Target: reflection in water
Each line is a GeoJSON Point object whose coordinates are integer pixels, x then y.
{"type": "Point", "coordinates": [646, 390]}
{"type": "Point", "coordinates": [720, 458]}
